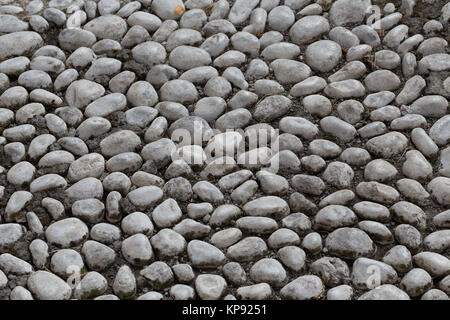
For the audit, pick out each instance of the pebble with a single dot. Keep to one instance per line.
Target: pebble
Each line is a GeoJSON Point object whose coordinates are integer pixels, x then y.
{"type": "Point", "coordinates": [333, 270]}
{"type": "Point", "coordinates": [307, 287]}
{"type": "Point", "coordinates": [241, 10]}
{"type": "Point", "coordinates": [385, 292]}
{"type": "Point", "coordinates": [268, 271]}
{"type": "Point", "coordinates": [342, 292]}
{"type": "Point", "coordinates": [85, 189]}
{"type": "Point", "coordinates": [47, 286]}
{"type": "Point", "coordinates": [69, 232]}
{"type": "Point", "coordinates": [363, 269]}
{"type": "Point", "coordinates": [168, 243]}
{"type": "Point", "coordinates": [349, 243]}
{"type": "Point", "coordinates": [210, 286]}
{"type": "Point", "coordinates": [347, 11]}
{"type": "Point", "coordinates": [382, 80]}
{"type": "Point", "coordinates": [247, 249]}
{"type": "Point", "coordinates": [416, 282]}
{"type": "Point", "coordinates": [19, 43]}
{"type": "Point", "coordinates": [20, 293]}
{"type": "Point", "coordinates": [92, 285]}
{"type": "Point", "coordinates": [399, 257]}
{"type": "Point", "coordinates": [323, 55]}
{"type": "Point", "coordinates": [261, 291]}
{"type": "Point", "coordinates": [334, 216]}
{"type": "Point", "coordinates": [435, 294]}
{"type": "Point", "coordinates": [440, 189]}
{"type": "Point", "coordinates": [435, 264]}
{"type": "Point", "coordinates": [158, 274]}
{"type": "Point", "coordinates": [65, 261]}
{"type": "Point", "coordinates": [11, 233]}
{"type": "Point", "coordinates": [308, 28]}
{"type": "Point", "coordinates": [437, 241]}
{"type": "Point", "coordinates": [107, 27]}
{"type": "Point", "coordinates": [137, 249]}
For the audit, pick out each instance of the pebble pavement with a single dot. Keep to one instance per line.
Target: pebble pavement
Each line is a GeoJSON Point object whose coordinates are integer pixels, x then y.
{"type": "Point", "coordinates": [129, 167]}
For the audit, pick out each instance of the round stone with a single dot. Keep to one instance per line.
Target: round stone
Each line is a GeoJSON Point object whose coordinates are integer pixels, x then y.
{"type": "Point", "coordinates": [210, 286]}
{"type": "Point", "coordinates": [47, 286]}
{"type": "Point", "coordinates": [269, 271]}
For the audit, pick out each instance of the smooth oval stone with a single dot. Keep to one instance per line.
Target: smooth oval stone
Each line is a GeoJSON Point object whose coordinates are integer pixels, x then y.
{"type": "Point", "coordinates": [187, 57]}
{"type": "Point", "coordinates": [307, 287]}
{"type": "Point", "coordinates": [47, 286]}
{"type": "Point", "coordinates": [385, 292]}
{"type": "Point", "coordinates": [323, 55]}
{"type": "Point", "coordinates": [20, 43]}
{"type": "Point", "coordinates": [67, 233]}
{"type": "Point", "coordinates": [107, 27]}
